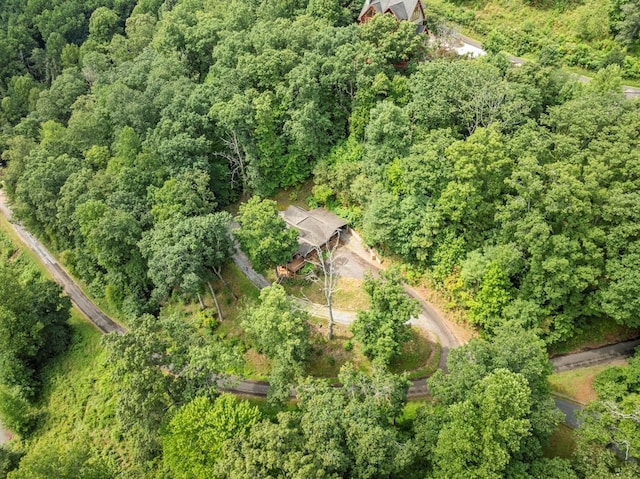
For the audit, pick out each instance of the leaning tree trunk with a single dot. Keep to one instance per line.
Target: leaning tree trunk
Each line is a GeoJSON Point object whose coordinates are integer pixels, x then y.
{"type": "Point", "coordinates": [215, 300]}
{"type": "Point", "coordinates": [201, 302]}
{"type": "Point", "coordinates": [217, 271]}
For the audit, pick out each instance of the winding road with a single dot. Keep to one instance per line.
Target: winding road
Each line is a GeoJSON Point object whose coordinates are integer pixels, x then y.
{"type": "Point", "coordinates": [428, 319]}
{"type": "Point", "coordinates": [103, 322]}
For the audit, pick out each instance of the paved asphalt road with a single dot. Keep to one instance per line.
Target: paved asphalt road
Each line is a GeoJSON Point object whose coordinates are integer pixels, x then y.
{"type": "Point", "coordinates": [84, 304]}
{"type": "Point", "coordinates": [569, 410]}
{"type": "Point", "coordinates": [594, 356]}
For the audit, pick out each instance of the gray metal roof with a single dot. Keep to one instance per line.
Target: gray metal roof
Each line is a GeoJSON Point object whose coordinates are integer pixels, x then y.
{"type": "Point", "coordinates": [316, 227]}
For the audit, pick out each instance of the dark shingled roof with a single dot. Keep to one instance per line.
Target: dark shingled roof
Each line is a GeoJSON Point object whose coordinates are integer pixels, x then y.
{"type": "Point", "coordinates": [402, 9]}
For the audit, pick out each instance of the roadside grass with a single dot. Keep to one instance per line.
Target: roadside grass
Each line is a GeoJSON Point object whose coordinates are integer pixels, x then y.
{"type": "Point", "coordinates": [596, 333]}
{"type": "Point", "coordinates": [445, 302]}
{"type": "Point", "coordinates": [78, 399]}
{"type": "Point", "coordinates": [577, 384]}
{"type": "Point", "coordinates": [20, 251]}
{"type": "Point", "coordinates": [589, 73]}
{"type": "Point", "coordinates": [100, 301]}
{"type": "Point", "coordinates": [561, 444]}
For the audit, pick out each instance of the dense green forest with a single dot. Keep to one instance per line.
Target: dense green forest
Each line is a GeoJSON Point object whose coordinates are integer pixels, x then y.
{"type": "Point", "coordinates": [128, 129]}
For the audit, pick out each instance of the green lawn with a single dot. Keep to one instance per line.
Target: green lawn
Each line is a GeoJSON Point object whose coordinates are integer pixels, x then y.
{"type": "Point", "coordinates": [327, 357]}
{"type": "Point", "coordinates": [578, 383]}
{"type": "Point", "coordinates": [349, 296]}
{"type": "Point", "coordinates": [419, 356]}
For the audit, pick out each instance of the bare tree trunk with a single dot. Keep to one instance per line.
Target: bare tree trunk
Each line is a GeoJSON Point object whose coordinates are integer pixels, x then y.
{"type": "Point", "coordinates": [217, 271]}
{"type": "Point", "coordinates": [330, 276]}
{"type": "Point", "coordinates": [215, 300]}
{"type": "Point", "coordinates": [202, 306]}
{"type": "Point", "coordinates": [330, 332]}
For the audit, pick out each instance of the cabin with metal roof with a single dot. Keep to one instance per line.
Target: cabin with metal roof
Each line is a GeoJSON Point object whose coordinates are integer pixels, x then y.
{"type": "Point", "coordinates": [317, 228]}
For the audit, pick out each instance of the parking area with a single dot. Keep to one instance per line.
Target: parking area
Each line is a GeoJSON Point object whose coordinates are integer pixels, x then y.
{"type": "Point", "coordinates": [354, 259]}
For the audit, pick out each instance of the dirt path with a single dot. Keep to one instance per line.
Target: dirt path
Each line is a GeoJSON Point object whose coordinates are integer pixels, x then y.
{"type": "Point", "coordinates": [5, 436]}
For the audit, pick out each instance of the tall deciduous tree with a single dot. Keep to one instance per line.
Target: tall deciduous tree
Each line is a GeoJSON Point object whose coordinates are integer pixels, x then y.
{"type": "Point", "coordinates": [383, 328]}
{"type": "Point", "coordinates": [279, 328]}
{"type": "Point", "coordinates": [158, 364]}
{"type": "Point", "coordinates": [337, 432]}
{"type": "Point", "coordinates": [33, 326]}
{"type": "Point", "coordinates": [184, 252]}
{"type": "Point", "coordinates": [628, 22]}
{"type": "Point", "coordinates": [614, 418]}
{"type": "Point", "coordinates": [517, 351]}
{"type": "Point", "coordinates": [482, 433]}
{"type": "Point", "coordinates": [330, 266]}
{"type": "Point", "coordinates": [264, 235]}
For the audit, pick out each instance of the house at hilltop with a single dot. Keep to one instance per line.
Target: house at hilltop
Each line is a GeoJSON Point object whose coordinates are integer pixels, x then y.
{"type": "Point", "coordinates": [317, 228]}
{"type": "Point", "coordinates": [408, 10]}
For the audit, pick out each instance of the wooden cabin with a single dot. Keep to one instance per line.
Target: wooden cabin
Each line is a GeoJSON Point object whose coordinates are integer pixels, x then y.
{"type": "Point", "coordinates": [317, 228]}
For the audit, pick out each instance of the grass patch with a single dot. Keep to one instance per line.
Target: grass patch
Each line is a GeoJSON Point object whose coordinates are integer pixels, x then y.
{"type": "Point", "coordinates": [597, 333]}
{"type": "Point", "coordinates": [294, 196]}
{"type": "Point", "coordinates": [21, 252]}
{"type": "Point", "coordinates": [561, 444]}
{"type": "Point", "coordinates": [256, 366]}
{"type": "Point", "coordinates": [419, 356]}
{"type": "Point", "coordinates": [578, 383]}
{"type": "Point", "coordinates": [350, 295]}
{"type": "Point", "coordinates": [78, 399]}
{"type": "Point", "coordinates": [327, 357]}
